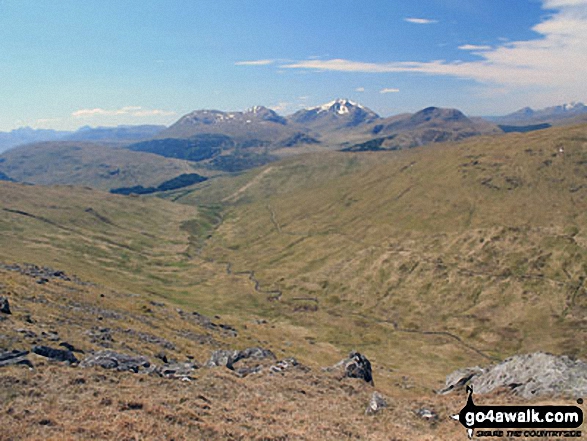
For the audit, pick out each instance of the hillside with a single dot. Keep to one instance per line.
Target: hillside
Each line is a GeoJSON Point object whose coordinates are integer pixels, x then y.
{"type": "Point", "coordinates": [483, 240]}
{"type": "Point", "coordinates": [425, 260]}
{"type": "Point", "coordinates": [88, 164]}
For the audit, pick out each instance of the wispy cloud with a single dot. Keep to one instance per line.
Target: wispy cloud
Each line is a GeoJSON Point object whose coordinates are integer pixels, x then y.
{"type": "Point", "coordinates": [389, 90]}
{"type": "Point", "coordinates": [474, 47]}
{"type": "Point", "coordinates": [555, 62]}
{"type": "Point", "coordinates": [134, 111]}
{"type": "Point", "coordinates": [360, 89]}
{"type": "Point", "coordinates": [415, 20]}
{"type": "Point", "coordinates": [254, 63]}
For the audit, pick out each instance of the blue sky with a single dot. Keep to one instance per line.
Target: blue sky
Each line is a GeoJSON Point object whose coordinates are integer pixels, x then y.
{"type": "Point", "coordinates": [69, 63]}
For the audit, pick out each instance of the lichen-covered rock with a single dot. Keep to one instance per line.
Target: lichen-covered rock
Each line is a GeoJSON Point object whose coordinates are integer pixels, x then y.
{"type": "Point", "coordinates": [530, 375]}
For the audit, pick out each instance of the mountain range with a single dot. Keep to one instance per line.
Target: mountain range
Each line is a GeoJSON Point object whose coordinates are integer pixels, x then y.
{"type": "Point", "coordinates": [27, 135]}
{"type": "Point", "coordinates": [214, 141]}
{"type": "Point", "coordinates": [571, 113]}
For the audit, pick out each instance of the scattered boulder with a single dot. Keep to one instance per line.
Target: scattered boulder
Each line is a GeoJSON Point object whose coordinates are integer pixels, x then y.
{"type": "Point", "coordinates": [223, 358]}
{"type": "Point", "coordinates": [4, 306]}
{"type": "Point", "coordinates": [358, 366]}
{"type": "Point", "coordinates": [114, 360]}
{"type": "Point", "coordinates": [376, 404]}
{"type": "Point", "coordinates": [355, 366]}
{"type": "Point", "coordinates": [528, 376]}
{"type": "Point", "coordinates": [9, 358]}
{"type": "Point", "coordinates": [426, 414]}
{"type": "Point", "coordinates": [55, 354]}
{"type": "Point", "coordinates": [176, 370]}
{"type": "Point", "coordinates": [287, 364]}
{"type": "Point", "coordinates": [228, 358]}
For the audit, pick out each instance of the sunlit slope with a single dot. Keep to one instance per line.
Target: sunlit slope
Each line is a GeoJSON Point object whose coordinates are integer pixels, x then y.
{"type": "Point", "coordinates": [485, 240]}
{"type": "Point", "coordinates": [89, 164]}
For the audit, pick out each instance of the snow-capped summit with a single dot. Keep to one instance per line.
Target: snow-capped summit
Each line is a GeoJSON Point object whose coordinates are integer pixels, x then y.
{"type": "Point", "coordinates": [336, 114]}
{"type": "Point", "coordinates": [339, 106]}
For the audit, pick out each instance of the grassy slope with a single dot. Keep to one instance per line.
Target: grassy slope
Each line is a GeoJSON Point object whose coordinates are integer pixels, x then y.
{"type": "Point", "coordinates": [483, 239]}
{"type": "Point", "coordinates": [82, 163]}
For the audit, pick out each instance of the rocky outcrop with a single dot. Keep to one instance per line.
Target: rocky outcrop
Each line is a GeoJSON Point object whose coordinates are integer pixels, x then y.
{"type": "Point", "coordinates": [176, 370]}
{"type": "Point", "coordinates": [227, 358]}
{"type": "Point", "coordinates": [530, 375]}
{"type": "Point", "coordinates": [9, 358]}
{"type": "Point", "coordinates": [64, 355]}
{"type": "Point", "coordinates": [114, 360]}
{"type": "Point", "coordinates": [356, 365]}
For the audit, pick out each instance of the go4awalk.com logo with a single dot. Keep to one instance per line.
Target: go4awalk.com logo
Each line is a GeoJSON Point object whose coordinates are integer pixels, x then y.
{"type": "Point", "coordinates": [520, 421]}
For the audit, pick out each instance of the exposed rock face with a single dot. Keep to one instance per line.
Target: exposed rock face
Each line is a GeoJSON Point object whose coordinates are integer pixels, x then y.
{"type": "Point", "coordinates": [376, 404]}
{"type": "Point", "coordinates": [528, 376]}
{"type": "Point", "coordinates": [4, 306]}
{"type": "Point", "coordinates": [114, 360]}
{"type": "Point", "coordinates": [55, 354]}
{"type": "Point", "coordinates": [9, 358]}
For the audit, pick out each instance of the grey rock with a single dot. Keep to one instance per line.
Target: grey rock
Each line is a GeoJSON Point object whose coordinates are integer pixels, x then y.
{"type": "Point", "coordinates": [426, 414]}
{"type": "Point", "coordinates": [535, 375]}
{"type": "Point", "coordinates": [55, 354]}
{"type": "Point", "coordinates": [358, 366]}
{"type": "Point", "coordinates": [9, 358]}
{"type": "Point", "coordinates": [223, 358]}
{"type": "Point", "coordinates": [120, 362]}
{"type": "Point", "coordinates": [530, 375]}
{"type": "Point", "coordinates": [460, 378]}
{"type": "Point", "coordinates": [376, 404]}
{"type": "Point", "coordinates": [4, 306]}
{"type": "Point", "coordinates": [355, 366]}
{"type": "Point", "coordinates": [227, 358]}
{"type": "Point", "coordinates": [287, 364]}
{"type": "Point", "coordinates": [256, 353]}
{"type": "Point", "coordinates": [176, 370]}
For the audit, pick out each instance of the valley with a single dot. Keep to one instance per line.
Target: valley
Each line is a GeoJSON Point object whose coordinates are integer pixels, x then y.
{"type": "Point", "coordinates": [425, 259]}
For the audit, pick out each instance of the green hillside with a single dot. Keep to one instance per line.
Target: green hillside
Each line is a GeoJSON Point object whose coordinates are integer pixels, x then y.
{"type": "Point", "coordinates": [427, 259]}
{"type": "Point", "coordinates": [88, 164]}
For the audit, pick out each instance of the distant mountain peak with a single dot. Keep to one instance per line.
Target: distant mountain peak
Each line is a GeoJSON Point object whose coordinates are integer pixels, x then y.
{"type": "Point", "coordinates": [340, 106]}
{"type": "Point", "coordinates": [339, 113]}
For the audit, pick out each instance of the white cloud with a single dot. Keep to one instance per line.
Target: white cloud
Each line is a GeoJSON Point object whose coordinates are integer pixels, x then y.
{"type": "Point", "coordinates": [254, 63]}
{"type": "Point", "coordinates": [280, 107]}
{"type": "Point", "coordinates": [133, 111]}
{"type": "Point", "coordinates": [389, 90]}
{"type": "Point", "coordinates": [360, 89]}
{"type": "Point", "coordinates": [555, 63]}
{"type": "Point", "coordinates": [474, 47]}
{"type": "Point", "coordinates": [420, 20]}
